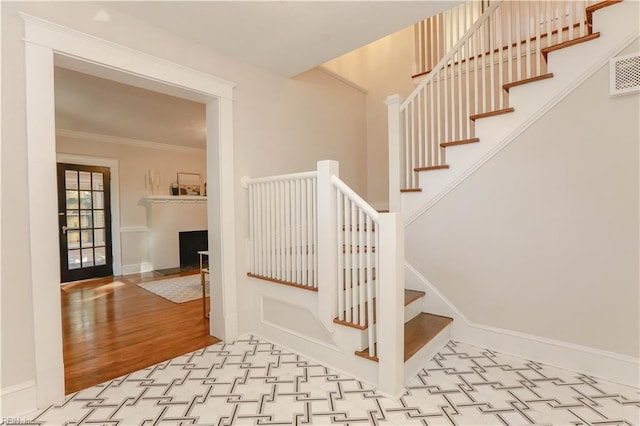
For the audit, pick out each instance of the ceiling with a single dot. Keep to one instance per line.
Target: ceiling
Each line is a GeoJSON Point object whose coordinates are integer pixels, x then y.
{"type": "Point", "coordinates": [285, 37]}
{"type": "Point", "coordinates": [84, 103]}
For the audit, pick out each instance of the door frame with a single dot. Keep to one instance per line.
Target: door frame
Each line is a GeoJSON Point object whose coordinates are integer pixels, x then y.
{"type": "Point", "coordinates": [113, 165]}
{"type": "Point", "coordinates": [45, 40]}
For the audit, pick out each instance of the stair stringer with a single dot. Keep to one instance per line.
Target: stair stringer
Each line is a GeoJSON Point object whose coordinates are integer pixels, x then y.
{"type": "Point", "coordinates": [571, 66]}
{"type": "Point", "coordinates": [607, 365]}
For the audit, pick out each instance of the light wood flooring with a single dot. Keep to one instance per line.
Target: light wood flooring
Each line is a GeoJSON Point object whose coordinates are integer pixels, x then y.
{"type": "Point", "coordinates": [112, 327]}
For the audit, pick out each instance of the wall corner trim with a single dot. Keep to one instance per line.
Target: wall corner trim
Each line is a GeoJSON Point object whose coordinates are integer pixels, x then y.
{"type": "Point", "coordinates": [610, 366]}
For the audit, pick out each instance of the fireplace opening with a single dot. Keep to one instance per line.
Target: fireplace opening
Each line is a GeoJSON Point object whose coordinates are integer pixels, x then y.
{"type": "Point", "coordinates": [191, 242]}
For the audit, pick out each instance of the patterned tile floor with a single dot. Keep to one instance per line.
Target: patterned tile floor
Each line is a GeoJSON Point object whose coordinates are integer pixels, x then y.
{"type": "Point", "coordinates": [255, 382]}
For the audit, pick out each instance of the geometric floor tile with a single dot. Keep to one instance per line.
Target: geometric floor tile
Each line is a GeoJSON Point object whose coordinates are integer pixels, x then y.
{"type": "Point", "coordinates": [254, 382]}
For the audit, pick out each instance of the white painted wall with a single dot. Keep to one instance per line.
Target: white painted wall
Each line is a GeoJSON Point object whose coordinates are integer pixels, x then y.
{"type": "Point", "coordinates": [281, 125]}
{"type": "Point", "coordinates": [543, 239]}
{"type": "Point", "coordinates": [383, 68]}
{"type": "Point", "coordinates": [135, 215]}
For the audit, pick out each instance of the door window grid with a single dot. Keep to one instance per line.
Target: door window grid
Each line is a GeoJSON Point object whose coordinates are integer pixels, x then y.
{"type": "Point", "coordinates": [86, 242]}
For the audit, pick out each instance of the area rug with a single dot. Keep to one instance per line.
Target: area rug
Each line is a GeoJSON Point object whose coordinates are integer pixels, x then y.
{"type": "Point", "coordinates": [178, 290]}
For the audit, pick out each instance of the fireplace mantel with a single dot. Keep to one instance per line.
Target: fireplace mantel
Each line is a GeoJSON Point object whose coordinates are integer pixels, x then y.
{"type": "Point", "coordinates": [175, 199]}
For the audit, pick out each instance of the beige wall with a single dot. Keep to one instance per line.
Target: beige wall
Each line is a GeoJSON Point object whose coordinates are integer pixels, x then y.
{"type": "Point", "coordinates": [281, 125]}
{"type": "Point", "coordinates": [543, 239]}
{"type": "Point", "coordinates": [383, 68]}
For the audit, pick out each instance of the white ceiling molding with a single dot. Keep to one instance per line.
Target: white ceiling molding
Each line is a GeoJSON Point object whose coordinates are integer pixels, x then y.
{"type": "Point", "coordinates": [94, 137]}
{"type": "Point", "coordinates": [342, 79]}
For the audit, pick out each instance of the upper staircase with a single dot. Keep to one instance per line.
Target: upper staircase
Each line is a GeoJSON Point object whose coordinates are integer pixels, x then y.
{"type": "Point", "coordinates": [498, 77]}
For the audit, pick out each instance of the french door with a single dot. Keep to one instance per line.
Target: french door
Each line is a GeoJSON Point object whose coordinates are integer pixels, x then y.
{"type": "Point", "coordinates": [84, 218]}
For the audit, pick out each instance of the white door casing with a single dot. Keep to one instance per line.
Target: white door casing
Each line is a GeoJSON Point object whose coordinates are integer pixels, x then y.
{"type": "Point", "coordinates": [43, 41]}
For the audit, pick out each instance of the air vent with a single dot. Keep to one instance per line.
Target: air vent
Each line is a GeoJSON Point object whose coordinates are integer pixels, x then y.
{"type": "Point", "coordinates": [624, 74]}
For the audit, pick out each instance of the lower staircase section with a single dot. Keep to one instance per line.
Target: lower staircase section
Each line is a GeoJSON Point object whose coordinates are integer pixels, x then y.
{"type": "Point", "coordinates": [311, 232]}
{"type": "Point", "coordinates": [424, 334]}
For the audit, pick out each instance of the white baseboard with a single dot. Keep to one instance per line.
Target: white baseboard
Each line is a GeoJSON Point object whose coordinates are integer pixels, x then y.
{"type": "Point", "coordinates": [610, 366]}
{"type": "Point", "coordinates": [137, 268]}
{"type": "Point", "coordinates": [18, 400]}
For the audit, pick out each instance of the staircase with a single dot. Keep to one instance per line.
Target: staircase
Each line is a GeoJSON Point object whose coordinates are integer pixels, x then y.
{"type": "Point", "coordinates": [314, 235]}
{"type": "Point", "coordinates": [309, 231]}
{"type": "Point", "coordinates": [489, 86]}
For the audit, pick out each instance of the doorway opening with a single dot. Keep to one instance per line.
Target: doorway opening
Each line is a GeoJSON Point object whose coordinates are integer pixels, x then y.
{"type": "Point", "coordinates": [45, 41]}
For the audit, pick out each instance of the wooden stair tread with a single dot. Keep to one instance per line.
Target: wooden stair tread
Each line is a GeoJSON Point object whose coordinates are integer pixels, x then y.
{"type": "Point", "coordinates": [417, 333]}
{"type": "Point", "coordinates": [283, 282]}
{"type": "Point", "coordinates": [526, 81]}
{"type": "Point", "coordinates": [421, 330]}
{"type": "Point", "coordinates": [412, 295]}
{"type": "Point", "coordinates": [460, 142]}
{"type": "Point", "coordinates": [545, 51]}
{"type": "Point", "coordinates": [427, 168]}
{"type": "Point", "coordinates": [409, 296]}
{"type": "Point", "coordinates": [491, 113]}
{"type": "Point", "coordinates": [411, 190]}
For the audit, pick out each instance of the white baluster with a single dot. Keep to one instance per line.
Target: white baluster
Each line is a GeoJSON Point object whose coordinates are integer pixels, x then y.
{"type": "Point", "coordinates": [370, 285]}
{"type": "Point", "coordinates": [347, 257]}
{"type": "Point", "coordinates": [287, 231]}
{"type": "Point", "coordinates": [492, 73]}
{"type": "Point", "coordinates": [361, 266]}
{"type": "Point", "coordinates": [354, 259]}
{"type": "Point", "coordinates": [303, 233]}
{"type": "Point", "coordinates": [341, 264]}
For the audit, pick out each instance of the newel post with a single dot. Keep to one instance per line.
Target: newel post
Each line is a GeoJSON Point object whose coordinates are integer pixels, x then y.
{"type": "Point", "coordinates": [395, 151]}
{"type": "Point", "coordinates": [390, 300]}
{"type": "Point", "coordinates": [327, 243]}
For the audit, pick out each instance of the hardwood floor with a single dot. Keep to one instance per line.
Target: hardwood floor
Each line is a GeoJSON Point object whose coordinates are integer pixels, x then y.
{"type": "Point", "coordinates": [112, 327]}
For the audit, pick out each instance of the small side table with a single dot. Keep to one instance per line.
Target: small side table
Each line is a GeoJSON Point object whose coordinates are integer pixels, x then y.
{"type": "Point", "coordinates": [204, 270]}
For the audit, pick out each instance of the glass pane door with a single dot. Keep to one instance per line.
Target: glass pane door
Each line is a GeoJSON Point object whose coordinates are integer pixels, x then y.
{"type": "Point", "coordinates": [84, 213]}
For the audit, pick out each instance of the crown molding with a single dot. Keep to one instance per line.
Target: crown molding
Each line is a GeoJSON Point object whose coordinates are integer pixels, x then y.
{"type": "Point", "coordinates": [138, 143]}
{"type": "Point", "coordinates": [342, 79]}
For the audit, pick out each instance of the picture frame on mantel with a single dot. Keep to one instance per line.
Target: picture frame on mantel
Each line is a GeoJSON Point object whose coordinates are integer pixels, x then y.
{"type": "Point", "coordinates": [189, 184]}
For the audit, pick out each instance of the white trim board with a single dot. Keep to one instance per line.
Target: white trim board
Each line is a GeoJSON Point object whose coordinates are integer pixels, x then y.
{"type": "Point", "coordinates": [113, 165]}
{"type": "Point", "coordinates": [137, 268]}
{"type": "Point", "coordinates": [133, 229]}
{"type": "Point", "coordinates": [138, 143]}
{"type": "Point", "coordinates": [606, 365]}
{"type": "Point", "coordinates": [18, 399]}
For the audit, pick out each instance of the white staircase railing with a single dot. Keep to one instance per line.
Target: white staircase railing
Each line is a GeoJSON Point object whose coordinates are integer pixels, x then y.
{"type": "Point", "coordinates": [311, 230]}
{"type": "Point", "coordinates": [357, 259]}
{"type": "Point", "coordinates": [283, 228]}
{"type": "Point", "coordinates": [505, 44]}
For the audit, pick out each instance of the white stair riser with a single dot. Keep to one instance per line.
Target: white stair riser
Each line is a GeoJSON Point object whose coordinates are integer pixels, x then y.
{"type": "Point", "coordinates": [414, 364]}
{"type": "Point", "coordinates": [412, 310]}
